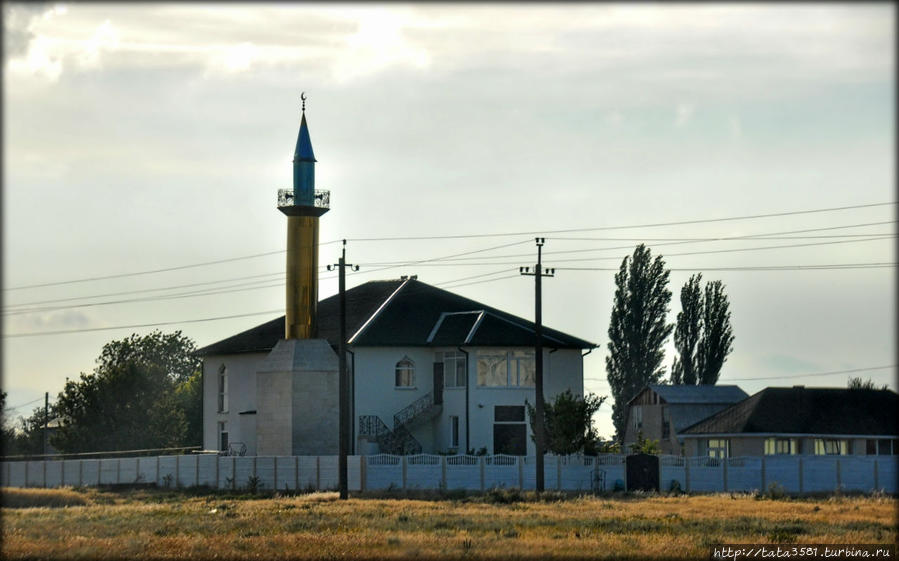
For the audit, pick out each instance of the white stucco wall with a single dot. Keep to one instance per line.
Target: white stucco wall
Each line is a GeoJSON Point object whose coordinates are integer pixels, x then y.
{"type": "Point", "coordinates": [241, 369]}
{"type": "Point", "coordinates": [376, 394]}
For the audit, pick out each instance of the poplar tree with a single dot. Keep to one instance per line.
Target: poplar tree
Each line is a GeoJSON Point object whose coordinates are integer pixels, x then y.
{"type": "Point", "coordinates": [637, 330]}
{"type": "Point", "coordinates": [687, 330]}
{"type": "Point", "coordinates": [703, 334]}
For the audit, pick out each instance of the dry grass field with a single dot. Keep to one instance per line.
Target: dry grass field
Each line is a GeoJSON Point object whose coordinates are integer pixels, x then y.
{"type": "Point", "coordinates": [160, 524]}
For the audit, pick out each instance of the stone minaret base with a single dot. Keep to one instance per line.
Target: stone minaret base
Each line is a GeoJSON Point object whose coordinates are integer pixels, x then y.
{"type": "Point", "coordinates": [297, 400]}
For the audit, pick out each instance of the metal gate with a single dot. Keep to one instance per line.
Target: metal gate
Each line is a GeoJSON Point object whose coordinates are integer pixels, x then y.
{"type": "Point", "coordinates": [642, 472]}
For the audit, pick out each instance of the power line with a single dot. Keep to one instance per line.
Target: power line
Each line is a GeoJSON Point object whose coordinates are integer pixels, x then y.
{"type": "Point", "coordinates": [24, 404]}
{"type": "Point", "coordinates": [833, 266]}
{"type": "Point", "coordinates": [464, 236]}
{"type": "Point", "coordinates": [601, 228]}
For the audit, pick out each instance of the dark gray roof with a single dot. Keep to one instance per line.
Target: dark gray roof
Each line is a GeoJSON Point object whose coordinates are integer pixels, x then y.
{"type": "Point", "coordinates": [673, 394]}
{"type": "Point", "coordinates": [684, 415]}
{"type": "Point", "coordinates": [801, 410]}
{"type": "Point", "coordinates": [405, 313]}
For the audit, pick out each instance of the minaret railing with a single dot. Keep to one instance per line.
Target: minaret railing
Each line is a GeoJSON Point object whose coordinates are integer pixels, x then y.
{"type": "Point", "coordinates": [322, 198]}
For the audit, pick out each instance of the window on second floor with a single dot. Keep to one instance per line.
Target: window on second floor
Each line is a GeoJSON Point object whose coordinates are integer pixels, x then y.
{"type": "Point", "coordinates": [779, 446]}
{"type": "Point", "coordinates": [666, 423]}
{"type": "Point", "coordinates": [454, 371]}
{"type": "Point", "coordinates": [405, 373]}
{"type": "Point", "coordinates": [831, 446]}
{"type": "Point", "coordinates": [498, 368]}
{"type": "Point", "coordinates": [718, 448]}
{"type": "Point", "coordinates": [637, 416]}
{"type": "Point", "coordinates": [881, 447]}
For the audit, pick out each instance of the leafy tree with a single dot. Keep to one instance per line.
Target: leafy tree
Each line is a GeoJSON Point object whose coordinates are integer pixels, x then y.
{"type": "Point", "coordinates": [637, 330]}
{"type": "Point", "coordinates": [686, 333]}
{"type": "Point", "coordinates": [717, 335]}
{"type": "Point", "coordinates": [568, 423]}
{"type": "Point", "coordinates": [130, 401]}
{"type": "Point", "coordinates": [28, 436]}
{"type": "Point", "coordinates": [859, 384]}
{"type": "Point", "coordinates": [189, 395]}
{"type": "Point", "coordinates": [703, 335]}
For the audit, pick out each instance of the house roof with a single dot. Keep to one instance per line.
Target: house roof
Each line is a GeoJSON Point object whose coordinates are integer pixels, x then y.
{"type": "Point", "coordinates": [404, 312]}
{"type": "Point", "coordinates": [801, 410]}
{"type": "Point", "coordinates": [683, 394]}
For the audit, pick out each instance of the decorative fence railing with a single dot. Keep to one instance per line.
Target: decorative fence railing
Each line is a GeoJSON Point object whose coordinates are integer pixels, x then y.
{"type": "Point", "coordinates": [793, 474]}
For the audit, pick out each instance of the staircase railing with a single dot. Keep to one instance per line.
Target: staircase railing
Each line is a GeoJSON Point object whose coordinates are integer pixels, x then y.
{"type": "Point", "coordinates": [372, 425]}
{"type": "Point", "coordinates": [409, 412]}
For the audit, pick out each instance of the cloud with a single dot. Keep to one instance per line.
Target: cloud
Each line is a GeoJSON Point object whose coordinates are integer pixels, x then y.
{"type": "Point", "coordinates": [66, 319]}
{"type": "Point", "coordinates": [106, 37]}
{"type": "Point", "coordinates": [232, 59]}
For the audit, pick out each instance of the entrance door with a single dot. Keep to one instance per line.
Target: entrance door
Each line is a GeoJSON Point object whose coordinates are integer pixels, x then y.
{"type": "Point", "coordinates": [642, 472]}
{"type": "Point", "coordinates": [438, 383]}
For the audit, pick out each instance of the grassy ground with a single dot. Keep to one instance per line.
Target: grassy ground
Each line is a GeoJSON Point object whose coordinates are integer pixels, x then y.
{"type": "Point", "coordinates": [153, 524]}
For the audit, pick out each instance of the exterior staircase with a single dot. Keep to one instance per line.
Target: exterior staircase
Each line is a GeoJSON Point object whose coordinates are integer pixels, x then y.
{"type": "Point", "coordinates": [399, 440]}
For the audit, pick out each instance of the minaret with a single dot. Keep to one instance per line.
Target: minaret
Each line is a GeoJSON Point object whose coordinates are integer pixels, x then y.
{"type": "Point", "coordinates": [297, 384]}
{"type": "Point", "coordinates": [303, 206]}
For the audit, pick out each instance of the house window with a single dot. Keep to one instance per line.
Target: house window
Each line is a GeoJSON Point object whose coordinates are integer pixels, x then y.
{"type": "Point", "coordinates": [223, 389]}
{"type": "Point", "coordinates": [831, 447]}
{"type": "Point", "coordinates": [509, 430]}
{"type": "Point", "coordinates": [780, 446]}
{"type": "Point", "coordinates": [637, 414]}
{"type": "Point", "coordinates": [405, 373]}
{"type": "Point", "coordinates": [882, 447]}
{"type": "Point", "coordinates": [454, 372]}
{"type": "Point", "coordinates": [454, 431]}
{"type": "Point", "coordinates": [223, 436]}
{"type": "Point", "coordinates": [498, 369]}
{"type": "Point", "coordinates": [718, 448]}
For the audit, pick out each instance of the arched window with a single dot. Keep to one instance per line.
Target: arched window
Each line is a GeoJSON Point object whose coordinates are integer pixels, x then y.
{"type": "Point", "coordinates": [405, 373]}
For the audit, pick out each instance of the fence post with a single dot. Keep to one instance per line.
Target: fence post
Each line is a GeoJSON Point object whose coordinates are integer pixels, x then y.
{"type": "Point", "coordinates": [800, 475]}
{"type": "Point", "coordinates": [217, 476]}
{"type": "Point", "coordinates": [404, 470]}
{"type": "Point", "coordinates": [481, 463]}
{"type": "Point", "coordinates": [118, 471]}
{"type": "Point", "coordinates": [26, 473]}
{"type": "Point", "coordinates": [276, 472]}
{"type": "Point", "coordinates": [157, 470]}
{"type": "Point", "coordinates": [764, 475]}
{"type": "Point", "coordinates": [197, 471]}
{"type": "Point", "coordinates": [80, 473]}
{"type": "Point", "coordinates": [296, 472]}
{"type": "Point", "coordinates": [99, 471]}
{"type": "Point", "coordinates": [839, 475]}
{"type": "Point", "coordinates": [45, 473]}
{"type": "Point", "coordinates": [724, 475]}
{"type": "Point", "coordinates": [558, 473]}
{"type": "Point", "coordinates": [443, 472]}
{"type": "Point", "coordinates": [254, 467]}
{"type": "Point", "coordinates": [876, 475]}
{"type": "Point", "coordinates": [318, 473]}
{"type": "Point", "coordinates": [520, 472]}
{"type": "Point", "coordinates": [687, 473]}
{"type": "Point", "coordinates": [363, 463]}
{"type": "Point", "coordinates": [233, 473]}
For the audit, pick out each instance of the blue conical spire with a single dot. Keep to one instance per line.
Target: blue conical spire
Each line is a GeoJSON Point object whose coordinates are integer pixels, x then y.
{"type": "Point", "coordinates": [303, 152]}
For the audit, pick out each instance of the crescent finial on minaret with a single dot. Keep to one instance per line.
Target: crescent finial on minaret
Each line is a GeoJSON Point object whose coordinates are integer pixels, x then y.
{"type": "Point", "coordinates": [303, 97]}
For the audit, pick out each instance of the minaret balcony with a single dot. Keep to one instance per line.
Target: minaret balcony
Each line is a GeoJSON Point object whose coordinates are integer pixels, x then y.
{"type": "Point", "coordinates": [287, 203]}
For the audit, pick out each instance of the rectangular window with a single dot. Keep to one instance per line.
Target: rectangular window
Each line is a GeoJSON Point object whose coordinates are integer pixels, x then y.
{"type": "Point", "coordinates": [637, 415]}
{"type": "Point", "coordinates": [508, 413]}
{"type": "Point", "coordinates": [778, 446]}
{"type": "Point", "coordinates": [880, 447]}
{"type": "Point", "coordinates": [454, 371]}
{"type": "Point", "coordinates": [831, 447]}
{"type": "Point", "coordinates": [223, 392]}
{"type": "Point", "coordinates": [223, 436]}
{"type": "Point", "coordinates": [718, 448]}
{"type": "Point", "coordinates": [497, 369]}
{"type": "Point", "coordinates": [454, 432]}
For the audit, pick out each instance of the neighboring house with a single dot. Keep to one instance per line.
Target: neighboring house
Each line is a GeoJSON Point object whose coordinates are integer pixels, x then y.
{"type": "Point", "coordinates": [800, 420]}
{"type": "Point", "coordinates": [661, 412]}
{"type": "Point", "coordinates": [429, 371]}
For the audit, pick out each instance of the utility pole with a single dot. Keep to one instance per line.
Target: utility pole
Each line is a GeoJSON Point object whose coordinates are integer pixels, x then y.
{"type": "Point", "coordinates": [46, 420]}
{"type": "Point", "coordinates": [343, 409]}
{"type": "Point", "coordinates": [539, 437]}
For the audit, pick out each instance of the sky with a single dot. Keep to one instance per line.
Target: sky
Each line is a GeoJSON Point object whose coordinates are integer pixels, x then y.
{"type": "Point", "coordinates": [143, 137]}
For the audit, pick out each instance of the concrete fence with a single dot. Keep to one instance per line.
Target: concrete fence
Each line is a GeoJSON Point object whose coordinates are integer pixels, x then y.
{"type": "Point", "coordinates": [794, 474]}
